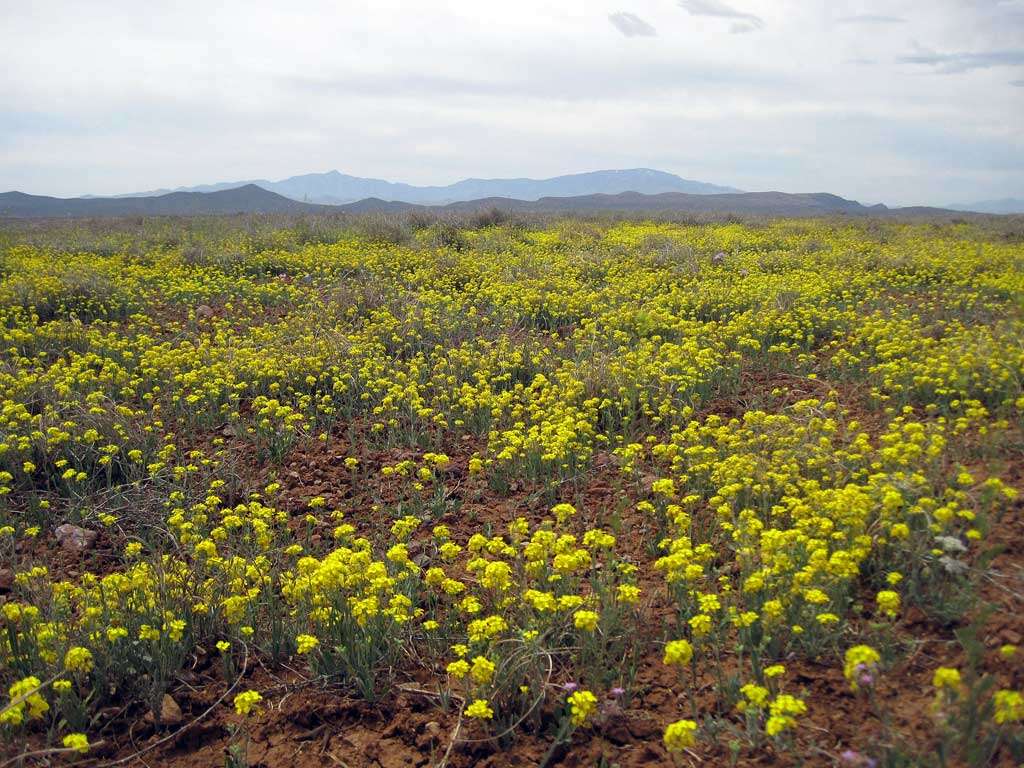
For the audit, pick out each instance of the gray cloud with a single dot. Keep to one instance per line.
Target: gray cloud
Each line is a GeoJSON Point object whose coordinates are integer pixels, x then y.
{"type": "Point", "coordinates": [742, 27]}
{"type": "Point", "coordinates": [964, 61]}
{"type": "Point", "coordinates": [742, 22]}
{"type": "Point", "coordinates": [548, 83]}
{"type": "Point", "coordinates": [631, 25]}
{"type": "Point", "coordinates": [871, 18]}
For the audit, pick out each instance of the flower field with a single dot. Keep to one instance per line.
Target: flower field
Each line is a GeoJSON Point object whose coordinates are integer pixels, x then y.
{"type": "Point", "coordinates": [577, 493]}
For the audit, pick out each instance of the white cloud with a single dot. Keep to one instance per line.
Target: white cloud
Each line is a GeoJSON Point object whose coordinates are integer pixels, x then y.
{"type": "Point", "coordinates": [742, 22]}
{"type": "Point", "coordinates": [871, 18]}
{"type": "Point", "coordinates": [964, 61]}
{"type": "Point", "coordinates": [631, 25]}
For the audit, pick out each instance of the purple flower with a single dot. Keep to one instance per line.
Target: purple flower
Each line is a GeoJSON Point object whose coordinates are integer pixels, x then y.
{"type": "Point", "coordinates": [570, 687]}
{"type": "Point", "coordinates": [852, 758]}
{"type": "Point", "coordinates": [617, 692]}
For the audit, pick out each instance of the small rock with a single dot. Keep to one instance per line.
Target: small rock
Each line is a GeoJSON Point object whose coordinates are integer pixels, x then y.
{"type": "Point", "coordinates": [204, 312]}
{"type": "Point", "coordinates": [170, 712]}
{"type": "Point", "coordinates": [6, 579]}
{"type": "Point", "coordinates": [433, 728]}
{"type": "Point", "coordinates": [75, 539]}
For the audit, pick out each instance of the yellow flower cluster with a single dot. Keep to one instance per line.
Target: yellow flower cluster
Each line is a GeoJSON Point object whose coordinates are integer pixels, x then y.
{"type": "Point", "coordinates": [860, 660]}
{"type": "Point", "coordinates": [582, 706]}
{"type": "Point", "coordinates": [247, 701]}
{"type": "Point", "coordinates": [680, 735]}
{"type": "Point", "coordinates": [782, 432]}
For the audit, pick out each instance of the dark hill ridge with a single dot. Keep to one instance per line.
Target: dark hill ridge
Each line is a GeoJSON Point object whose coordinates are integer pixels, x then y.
{"type": "Point", "coordinates": [255, 199]}
{"type": "Point", "coordinates": [247, 199]}
{"type": "Point", "coordinates": [758, 203]}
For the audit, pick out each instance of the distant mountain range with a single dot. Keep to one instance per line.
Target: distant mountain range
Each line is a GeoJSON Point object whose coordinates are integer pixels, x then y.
{"type": "Point", "coordinates": [1005, 205]}
{"type": "Point", "coordinates": [251, 198]}
{"type": "Point", "coordinates": [634, 189]}
{"type": "Point", "coordinates": [334, 188]}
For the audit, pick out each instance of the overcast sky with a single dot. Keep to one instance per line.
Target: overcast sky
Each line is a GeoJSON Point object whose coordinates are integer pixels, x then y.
{"type": "Point", "coordinates": [902, 101]}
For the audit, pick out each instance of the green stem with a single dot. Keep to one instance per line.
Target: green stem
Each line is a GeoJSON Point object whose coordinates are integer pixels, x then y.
{"type": "Point", "coordinates": [564, 730]}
